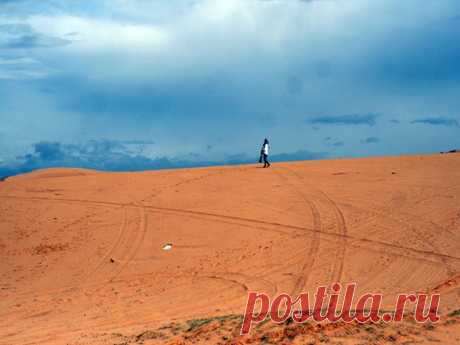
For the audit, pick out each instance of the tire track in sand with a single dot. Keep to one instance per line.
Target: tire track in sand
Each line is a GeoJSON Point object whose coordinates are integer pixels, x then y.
{"type": "Point", "coordinates": [309, 259]}
{"type": "Point", "coordinates": [112, 250]}
{"type": "Point", "coordinates": [108, 270]}
{"type": "Point", "coordinates": [338, 237]}
{"type": "Point", "coordinates": [337, 270]}
{"type": "Point", "coordinates": [128, 245]}
{"type": "Point", "coordinates": [341, 228]}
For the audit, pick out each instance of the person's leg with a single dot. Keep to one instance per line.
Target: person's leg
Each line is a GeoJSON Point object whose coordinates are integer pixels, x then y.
{"type": "Point", "coordinates": [265, 161]}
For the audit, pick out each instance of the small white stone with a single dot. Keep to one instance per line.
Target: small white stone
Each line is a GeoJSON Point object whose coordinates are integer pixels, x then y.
{"type": "Point", "coordinates": [167, 246]}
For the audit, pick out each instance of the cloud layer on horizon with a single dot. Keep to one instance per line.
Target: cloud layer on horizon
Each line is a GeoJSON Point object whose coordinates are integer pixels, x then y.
{"type": "Point", "coordinates": [108, 155]}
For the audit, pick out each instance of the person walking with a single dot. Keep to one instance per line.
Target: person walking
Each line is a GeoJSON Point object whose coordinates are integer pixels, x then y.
{"type": "Point", "coordinates": [264, 153]}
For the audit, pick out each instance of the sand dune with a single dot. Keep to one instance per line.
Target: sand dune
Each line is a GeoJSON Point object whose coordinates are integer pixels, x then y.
{"type": "Point", "coordinates": [82, 259]}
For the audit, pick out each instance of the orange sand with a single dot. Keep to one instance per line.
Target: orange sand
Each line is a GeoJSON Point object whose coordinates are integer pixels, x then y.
{"type": "Point", "coordinates": [81, 257]}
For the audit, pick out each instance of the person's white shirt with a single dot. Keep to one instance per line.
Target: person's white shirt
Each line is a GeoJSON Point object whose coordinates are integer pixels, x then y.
{"type": "Point", "coordinates": [265, 149]}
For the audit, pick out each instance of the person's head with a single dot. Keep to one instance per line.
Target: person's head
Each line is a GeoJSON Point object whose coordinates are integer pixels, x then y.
{"type": "Point", "coordinates": [265, 141]}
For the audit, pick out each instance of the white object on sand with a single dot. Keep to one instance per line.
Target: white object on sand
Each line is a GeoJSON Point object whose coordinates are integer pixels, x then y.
{"type": "Point", "coordinates": [167, 246]}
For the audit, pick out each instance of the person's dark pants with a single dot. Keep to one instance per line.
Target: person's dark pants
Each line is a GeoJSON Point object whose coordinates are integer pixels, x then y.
{"type": "Point", "coordinates": [266, 162]}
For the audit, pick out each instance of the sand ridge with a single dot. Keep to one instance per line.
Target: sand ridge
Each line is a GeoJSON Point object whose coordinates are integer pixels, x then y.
{"type": "Point", "coordinates": [82, 258]}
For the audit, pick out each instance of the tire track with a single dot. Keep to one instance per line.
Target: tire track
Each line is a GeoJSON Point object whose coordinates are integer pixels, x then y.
{"type": "Point", "coordinates": [105, 258]}
{"type": "Point", "coordinates": [181, 183]}
{"type": "Point", "coordinates": [129, 251]}
{"type": "Point", "coordinates": [27, 295]}
{"type": "Point", "coordinates": [309, 259]}
{"type": "Point", "coordinates": [208, 215]}
{"type": "Point", "coordinates": [337, 269]}
{"type": "Point", "coordinates": [101, 269]}
{"type": "Point", "coordinates": [165, 209]}
{"type": "Point", "coordinates": [246, 281]}
{"type": "Point", "coordinates": [421, 235]}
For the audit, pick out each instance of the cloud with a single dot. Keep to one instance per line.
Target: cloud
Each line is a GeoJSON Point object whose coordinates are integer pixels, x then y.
{"type": "Point", "coordinates": [22, 74]}
{"type": "Point", "coordinates": [22, 68]}
{"type": "Point", "coordinates": [298, 156]}
{"type": "Point", "coordinates": [16, 42]}
{"type": "Point", "coordinates": [338, 144]}
{"type": "Point", "coordinates": [112, 155]}
{"type": "Point", "coordinates": [227, 73]}
{"type": "Point", "coordinates": [138, 142]}
{"type": "Point", "coordinates": [370, 140]}
{"type": "Point", "coordinates": [437, 121]}
{"type": "Point", "coordinates": [25, 7]}
{"type": "Point", "coordinates": [49, 152]}
{"type": "Point", "coordinates": [349, 119]}
{"type": "Point", "coordinates": [22, 36]}
{"type": "Point", "coordinates": [17, 61]}
{"type": "Point", "coordinates": [95, 154]}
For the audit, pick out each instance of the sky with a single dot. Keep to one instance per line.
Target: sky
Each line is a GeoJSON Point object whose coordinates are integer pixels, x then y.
{"type": "Point", "coordinates": [146, 84]}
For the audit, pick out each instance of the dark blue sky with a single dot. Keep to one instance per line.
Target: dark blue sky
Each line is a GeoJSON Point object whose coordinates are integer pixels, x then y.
{"type": "Point", "coordinates": [139, 84]}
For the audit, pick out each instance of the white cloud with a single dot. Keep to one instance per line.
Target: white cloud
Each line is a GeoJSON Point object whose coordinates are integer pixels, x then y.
{"type": "Point", "coordinates": [23, 68]}
{"type": "Point", "coordinates": [95, 36]}
{"type": "Point", "coordinates": [22, 74]}
{"type": "Point", "coordinates": [18, 61]}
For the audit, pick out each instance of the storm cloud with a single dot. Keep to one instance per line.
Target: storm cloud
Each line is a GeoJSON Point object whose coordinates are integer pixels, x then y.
{"type": "Point", "coordinates": [205, 79]}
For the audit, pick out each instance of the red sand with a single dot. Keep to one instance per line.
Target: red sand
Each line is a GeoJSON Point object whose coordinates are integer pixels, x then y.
{"type": "Point", "coordinates": [390, 224]}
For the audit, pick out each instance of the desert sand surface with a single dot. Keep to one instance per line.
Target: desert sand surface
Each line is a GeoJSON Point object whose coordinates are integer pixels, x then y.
{"type": "Point", "coordinates": [81, 258]}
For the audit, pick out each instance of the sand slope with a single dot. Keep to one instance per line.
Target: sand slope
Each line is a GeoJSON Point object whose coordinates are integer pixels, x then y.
{"type": "Point", "coordinates": [81, 259]}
